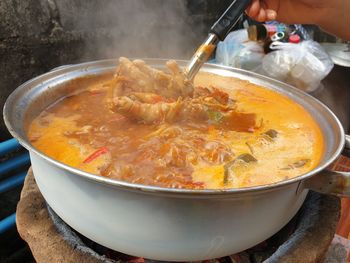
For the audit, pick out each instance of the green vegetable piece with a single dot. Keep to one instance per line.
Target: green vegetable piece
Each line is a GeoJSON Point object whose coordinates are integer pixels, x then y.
{"type": "Point", "coordinates": [271, 133]}
{"type": "Point", "coordinates": [298, 164]}
{"type": "Point", "coordinates": [246, 157]}
{"type": "Point", "coordinates": [251, 149]}
{"type": "Point", "coordinates": [215, 116]}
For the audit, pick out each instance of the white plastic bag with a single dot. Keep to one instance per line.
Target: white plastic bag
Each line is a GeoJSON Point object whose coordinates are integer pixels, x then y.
{"type": "Point", "coordinates": [303, 65]}
{"type": "Point", "coordinates": [237, 51]}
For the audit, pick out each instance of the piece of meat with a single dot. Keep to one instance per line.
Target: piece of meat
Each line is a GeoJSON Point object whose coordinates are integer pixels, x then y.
{"type": "Point", "coordinates": [150, 96]}
{"type": "Point", "coordinates": [199, 109]}
{"type": "Point", "coordinates": [136, 76]}
{"type": "Point", "coordinates": [160, 112]}
{"type": "Point", "coordinates": [146, 112]}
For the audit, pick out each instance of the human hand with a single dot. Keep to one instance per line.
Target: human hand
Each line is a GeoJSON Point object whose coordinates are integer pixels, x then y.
{"type": "Point", "coordinates": [331, 15]}
{"type": "Point", "coordinates": [292, 11]}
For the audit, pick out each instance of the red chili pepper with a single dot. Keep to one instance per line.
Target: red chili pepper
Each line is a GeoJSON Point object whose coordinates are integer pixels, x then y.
{"type": "Point", "coordinates": [95, 154]}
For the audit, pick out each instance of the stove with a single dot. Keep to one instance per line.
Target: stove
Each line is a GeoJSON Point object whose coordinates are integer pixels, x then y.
{"type": "Point", "coordinates": [306, 238]}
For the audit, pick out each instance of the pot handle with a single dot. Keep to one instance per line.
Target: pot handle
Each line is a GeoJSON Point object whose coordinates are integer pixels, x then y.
{"type": "Point", "coordinates": [332, 182]}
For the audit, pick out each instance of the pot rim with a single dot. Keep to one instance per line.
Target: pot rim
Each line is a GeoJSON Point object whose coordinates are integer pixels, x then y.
{"type": "Point", "coordinates": [155, 189]}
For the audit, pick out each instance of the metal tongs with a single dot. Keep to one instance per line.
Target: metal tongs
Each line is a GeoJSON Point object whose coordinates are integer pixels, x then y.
{"type": "Point", "coordinates": [218, 32]}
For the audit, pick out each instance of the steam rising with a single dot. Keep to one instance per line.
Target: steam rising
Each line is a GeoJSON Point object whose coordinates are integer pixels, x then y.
{"type": "Point", "coordinates": [152, 28]}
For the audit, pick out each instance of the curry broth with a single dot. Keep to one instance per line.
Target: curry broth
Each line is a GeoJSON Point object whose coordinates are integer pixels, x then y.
{"type": "Point", "coordinates": [270, 139]}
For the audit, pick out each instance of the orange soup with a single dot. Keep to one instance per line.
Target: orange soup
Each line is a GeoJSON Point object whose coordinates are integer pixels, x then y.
{"type": "Point", "coordinates": [216, 133]}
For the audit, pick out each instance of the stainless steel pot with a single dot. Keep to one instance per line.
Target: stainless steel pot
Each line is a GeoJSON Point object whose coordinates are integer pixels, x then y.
{"type": "Point", "coordinates": [161, 223]}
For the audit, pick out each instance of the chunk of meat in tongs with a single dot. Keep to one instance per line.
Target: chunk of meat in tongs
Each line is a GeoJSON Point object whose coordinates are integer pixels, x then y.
{"type": "Point", "coordinates": [136, 76]}
{"type": "Point", "coordinates": [182, 109]}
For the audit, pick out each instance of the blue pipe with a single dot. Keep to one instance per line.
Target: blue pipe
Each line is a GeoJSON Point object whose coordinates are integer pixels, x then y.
{"type": "Point", "coordinates": [14, 163]}
{"type": "Point", "coordinates": [7, 223]}
{"type": "Point", "coordinates": [9, 146]}
{"type": "Point", "coordinates": [12, 182]}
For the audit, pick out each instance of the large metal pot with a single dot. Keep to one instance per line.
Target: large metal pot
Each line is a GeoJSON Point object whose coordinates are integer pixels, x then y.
{"type": "Point", "coordinates": [161, 223]}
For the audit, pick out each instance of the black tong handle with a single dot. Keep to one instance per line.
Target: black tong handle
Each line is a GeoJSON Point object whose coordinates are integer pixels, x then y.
{"type": "Point", "coordinates": [229, 19]}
